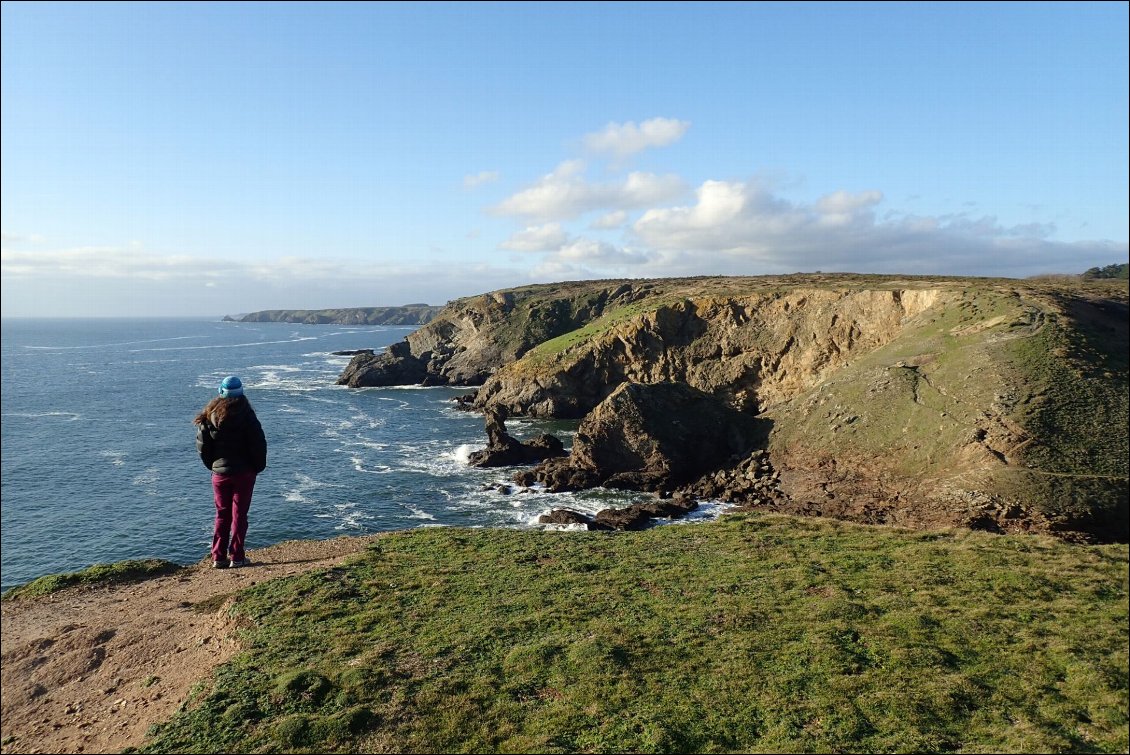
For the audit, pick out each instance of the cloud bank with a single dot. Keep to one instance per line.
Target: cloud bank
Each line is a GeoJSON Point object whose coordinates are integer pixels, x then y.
{"type": "Point", "coordinates": [641, 224]}
{"type": "Point", "coordinates": [128, 282]}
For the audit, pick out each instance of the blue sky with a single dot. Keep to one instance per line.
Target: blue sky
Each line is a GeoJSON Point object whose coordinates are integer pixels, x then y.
{"type": "Point", "coordinates": [216, 158]}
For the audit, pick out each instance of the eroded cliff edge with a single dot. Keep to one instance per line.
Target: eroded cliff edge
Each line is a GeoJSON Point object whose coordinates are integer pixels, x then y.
{"type": "Point", "coordinates": [998, 404]}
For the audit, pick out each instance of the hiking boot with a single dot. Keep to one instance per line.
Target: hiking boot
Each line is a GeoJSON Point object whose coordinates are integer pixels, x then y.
{"type": "Point", "coordinates": [235, 563]}
{"type": "Point", "coordinates": [221, 564]}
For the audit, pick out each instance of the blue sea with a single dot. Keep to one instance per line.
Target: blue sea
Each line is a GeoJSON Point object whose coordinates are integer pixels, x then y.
{"type": "Point", "coordinates": [100, 465]}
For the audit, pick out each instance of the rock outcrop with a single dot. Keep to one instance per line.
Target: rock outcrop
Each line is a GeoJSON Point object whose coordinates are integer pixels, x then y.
{"type": "Point", "coordinates": [651, 438]}
{"type": "Point", "coordinates": [503, 450]}
{"type": "Point", "coordinates": [751, 482]}
{"type": "Point", "coordinates": [472, 338]}
{"type": "Point", "coordinates": [396, 366]}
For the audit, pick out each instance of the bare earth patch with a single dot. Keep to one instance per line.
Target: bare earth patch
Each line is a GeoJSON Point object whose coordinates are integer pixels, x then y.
{"type": "Point", "coordinates": [90, 669]}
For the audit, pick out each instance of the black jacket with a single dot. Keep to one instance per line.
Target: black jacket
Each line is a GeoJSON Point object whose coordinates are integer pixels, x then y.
{"type": "Point", "coordinates": [237, 446]}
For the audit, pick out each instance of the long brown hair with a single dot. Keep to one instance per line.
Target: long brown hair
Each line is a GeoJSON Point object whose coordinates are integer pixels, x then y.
{"type": "Point", "coordinates": [217, 410]}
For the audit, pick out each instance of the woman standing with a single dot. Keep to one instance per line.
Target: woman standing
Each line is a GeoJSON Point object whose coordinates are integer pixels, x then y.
{"type": "Point", "coordinates": [231, 444]}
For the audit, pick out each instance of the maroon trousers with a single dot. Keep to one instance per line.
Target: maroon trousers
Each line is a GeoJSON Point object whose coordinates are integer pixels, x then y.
{"type": "Point", "coordinates": [233, 499]}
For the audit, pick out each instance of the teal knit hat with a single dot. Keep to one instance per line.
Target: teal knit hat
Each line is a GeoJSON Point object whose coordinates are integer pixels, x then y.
{"type": "Point", "coordinates": [231, 387]}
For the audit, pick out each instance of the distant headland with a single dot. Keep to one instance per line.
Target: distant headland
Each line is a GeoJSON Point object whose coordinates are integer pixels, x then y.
{"type": "Point", "coordinates": [409, 314]}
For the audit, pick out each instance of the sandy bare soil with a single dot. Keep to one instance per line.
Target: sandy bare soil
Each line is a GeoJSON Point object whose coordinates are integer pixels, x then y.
{"type": "Point", "coordinates": [90, 669]}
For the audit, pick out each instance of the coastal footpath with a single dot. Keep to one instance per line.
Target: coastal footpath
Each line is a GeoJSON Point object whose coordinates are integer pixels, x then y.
{"type": "Point", "coordinates": [917, 401]}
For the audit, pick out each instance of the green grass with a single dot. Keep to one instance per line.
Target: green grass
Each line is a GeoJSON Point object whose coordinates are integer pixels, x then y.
{"type": "Point", "coordinates": [116, 573]}
{"type": "Point", "coordinates": [549, 349]}
{"type": "Point", "coordinates": [753, 634]}
{"type": "Point", "coordinates": [917, 399]}
{"type": "Point", "coordinates": [1079, 420]}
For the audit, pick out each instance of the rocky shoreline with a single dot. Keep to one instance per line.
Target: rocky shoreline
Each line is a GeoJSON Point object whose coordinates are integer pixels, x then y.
{"type": "Point", "coordinates": [920, 402]}
{"type": "Point", "coordinates": [643, 438]}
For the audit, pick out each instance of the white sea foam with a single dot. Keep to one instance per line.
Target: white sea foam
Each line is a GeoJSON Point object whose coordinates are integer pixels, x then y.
{"type": "Point", "coordinates": [359, 466]}
{"type": "Point", "coordinates": [323, 399]}
{"type": "Point", "coordinates": [117, 458]}
{"type": "Point", "coordinates": [433, 459]}
{"type": "Point", "coordinates": [63, 416]}
{"type": "Point", "coordinates": [365, 443]}
{"type": "Point", "coordinates": [463, 453]}
{"type": "Point", "coordinates": [707, 511]}
{"type": "Point", "coordinates": [148, 476]}
{"type": "Point", "coordinates": [349, 516]}
{"type": "Point", "coordinates": [306, 484]}
{"type": "Point", "coordinates": [110, 345]}
{"type": "Point", "coordinates": [369, 422]}
{"type": "Point", "coordinates": [222, 345]}
{"type": "Point", "coordinates": [416, 513]}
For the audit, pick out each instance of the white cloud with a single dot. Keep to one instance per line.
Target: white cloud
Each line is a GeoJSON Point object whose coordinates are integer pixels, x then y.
{"type": "Point", "coordinates": [21, 238]}
{"type": "Point", "coordinates": [600, 253]}
{"type": "Point", "coordinates": [610, 220]}
{"type": "Point", "coordinates": [565, 194]}
{"type": "Point", "coordinates": [843, 202]}
{"type": "Point", "coordinates": [542, 238]}
{"type": "Point", "coordinates": [622, 140]}
{"type": "Point", "coordinates": [727, 215]}
{"type": "Point", "coordinates": [109, 262]}
{"type": "Point", "coordinates": [738, 228]}
{"type": "Point", "coordinates": [478, 179]}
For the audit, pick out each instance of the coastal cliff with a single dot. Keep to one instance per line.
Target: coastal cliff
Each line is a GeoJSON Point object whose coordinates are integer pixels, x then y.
{"type": "Point", "coordinates": [916, 401]}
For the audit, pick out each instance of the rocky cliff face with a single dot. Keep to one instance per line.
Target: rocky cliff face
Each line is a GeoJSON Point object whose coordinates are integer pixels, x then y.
{"type": "Point", "coordinates": [987, 403]}
{"type": "Point", "coordinates": [471, 338]}
{"type": "Point", "coordinates": [754, 351]}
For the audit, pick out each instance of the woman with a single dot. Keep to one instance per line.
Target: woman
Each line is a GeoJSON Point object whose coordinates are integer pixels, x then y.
{"type": "Point", "coordinates": [231, 444]}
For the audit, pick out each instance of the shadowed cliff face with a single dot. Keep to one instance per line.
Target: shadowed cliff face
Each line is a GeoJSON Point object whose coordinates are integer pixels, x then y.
{"type": "Point", "coordinates": [980, 402]}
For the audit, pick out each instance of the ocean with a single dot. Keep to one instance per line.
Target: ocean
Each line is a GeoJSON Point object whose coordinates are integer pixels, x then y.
{"type": "Point", "coordinates": [99, 462]}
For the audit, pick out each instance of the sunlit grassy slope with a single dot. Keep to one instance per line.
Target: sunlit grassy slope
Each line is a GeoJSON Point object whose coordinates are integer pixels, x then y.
{"type": "Point", "coordinates": [758, 633]}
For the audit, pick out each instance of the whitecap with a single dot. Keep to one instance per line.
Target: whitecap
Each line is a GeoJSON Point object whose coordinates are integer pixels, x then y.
{"type": "Point", "coordinates": [64, 416]}
{"type": "Point", "coordinates": [365, 443]}
{"type": "Point", "coordinates": [148, 476]}
{"type": "Point", "coordinates": [109, 345]}
{"type": "Point", "coordinates": [349, 515]}
{"type": "Point", "coordinates": [359, 466]}
{"type": "Point", "coordinates": [224, 345]}
{"type": "Point", "coordinates": [418, 514]}
{"type": "Point", "coordinates": [117, 458]}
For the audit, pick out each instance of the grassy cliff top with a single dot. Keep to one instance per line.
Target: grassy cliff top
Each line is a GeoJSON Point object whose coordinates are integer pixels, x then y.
{"type": "Point", "coordinates": [753, 634]}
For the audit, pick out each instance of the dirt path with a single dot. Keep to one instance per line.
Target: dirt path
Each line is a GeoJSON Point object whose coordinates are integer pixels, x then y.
{"type": "Point", "coordinates": [89, 670]}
